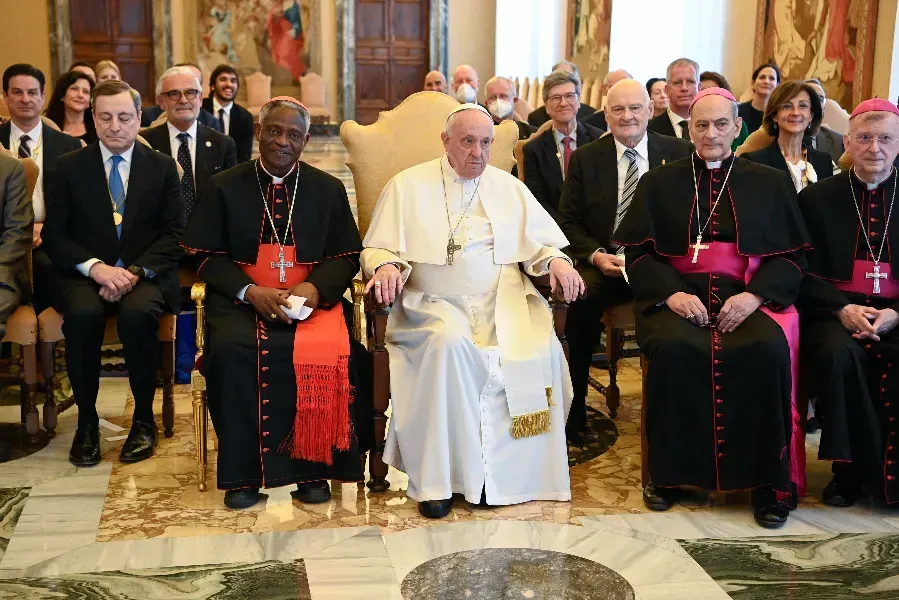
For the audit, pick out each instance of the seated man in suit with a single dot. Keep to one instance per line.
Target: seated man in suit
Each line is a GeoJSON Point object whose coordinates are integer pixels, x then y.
{"type": "Point", "coordinates": [826, 140]}
{"type": "Point", "coordinates": [16, 219]}
{"type": "Point", "coordinates": [602, 179]}
{"type": "Point", "coordinates": [435, 81]}
{"type": "Point", "coordinates": [234, 120]}
{"type": "Point", "coordinates": [598, 119]}
{"type": "Point", "coordinates": [500, 102]}
{"type": "Point", "coordinates": [26, 137]}
{"type": "Point", "coordinates": [546, 156]}
{"type": "Point", "coordinates": [205, 117]}
{"type": "Point", "coordinates": [466, 84]}
{"type": "Point", "coordinates": [116, 254]}
{"type": "Point", "coordinates": [681, 85]}
{"type": "Point", "coordinates": [201, 151]}
{"type": "Point", "coordinates": [539, 116]}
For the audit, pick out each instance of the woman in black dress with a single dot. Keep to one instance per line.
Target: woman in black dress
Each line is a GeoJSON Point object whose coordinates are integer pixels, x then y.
{"type": "Point", "coordinates": [70, 106]}
{"type": "Point", "coordinates": [765, 80]}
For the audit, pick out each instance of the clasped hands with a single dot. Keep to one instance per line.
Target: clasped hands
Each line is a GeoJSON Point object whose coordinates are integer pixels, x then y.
{"type": "Point", "coordinates": [267, 301]}
{"type": "Point", "coordinates": [735, 310]}
{"type": "Point", "coordinates": [114, 282]}
{"type": "Point", "coordinates": [866, 322]}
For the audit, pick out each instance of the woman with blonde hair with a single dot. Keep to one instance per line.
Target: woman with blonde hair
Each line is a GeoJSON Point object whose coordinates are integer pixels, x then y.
{"type": "Point", "coordinates": [106, 70]}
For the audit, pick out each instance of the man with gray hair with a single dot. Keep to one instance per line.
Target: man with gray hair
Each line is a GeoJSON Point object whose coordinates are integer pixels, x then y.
{"type": "Point", "coordinates": [478, 382]}
{"type": "Point", "coordinates": [500, 102]}
{"type": "Point", "coordinates": [287, 391]}
{"type": "Point", "coordinates": [201, 151]}
{"type": "Point", "coordinates": [546, 156]}
{"type": "Point", "coordinates": [681, 85]}
{"type": "Point", "coordinates": [598, 119]}
{"type": "Point", "coordinates": [539, 116]}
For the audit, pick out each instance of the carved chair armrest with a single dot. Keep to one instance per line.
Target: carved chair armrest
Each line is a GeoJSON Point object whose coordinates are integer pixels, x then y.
{"type": "Point", "coordinates": [379, 312]}
{"type": "Point", "coordinates": [198, 295]}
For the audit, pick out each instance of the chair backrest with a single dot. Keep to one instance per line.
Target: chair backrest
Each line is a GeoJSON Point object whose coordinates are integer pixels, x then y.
{"type": "Point", "coordinates": [404, 137]}
{"type": "Point", "coordinates": [259, 88]}
{"type": "Point", "coordinates": [532, 93]}
{"type": "Point", "coordinates": [586, 87]}
{"type": "Point", "coordinates": [538, 96]}
{"type": "Point", "coordinates": [518, 152]}
{"type": "Point", "coordinates": [4, 110]}
{"type": "Point", "coordinates": [525, 90]}
{"type": "Point", "coordinates": [48, 123]}
{"type": "Point", "coordinates": [523, 108]}
{"type": "Point", "coordinates": [312, 89]}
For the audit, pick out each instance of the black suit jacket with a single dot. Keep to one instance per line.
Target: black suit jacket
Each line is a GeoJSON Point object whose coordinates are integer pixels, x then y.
{"type": "Point", "coordinates": [662, 125]}
{"type": "Point", "coordinates": [542, 169]}
{"type": "Point", "coordinates": [241, 129]}
{"type": "Point", "coordinates": [55, 144]}
{"type": "Point", "coordinates": [773, 157]}
{"type": "Point", "coordinates": [151, 113]}
{"type": "Point", "coordinates": [598, 120]}
{"type": "Point", "coordinates": [215, 151]}
{"type": "Point", "coordinates": [590, 196]}
{"type": "Point", "coordinates": [539, 116]}
{"type": "Point", "coordinates": [79, 222]}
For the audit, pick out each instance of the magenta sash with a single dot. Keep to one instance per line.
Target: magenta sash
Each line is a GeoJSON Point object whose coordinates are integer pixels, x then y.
{"type": "Point", "coordinates": [861, 284]}
{"type": "Point", "coordinates": [724, 260]}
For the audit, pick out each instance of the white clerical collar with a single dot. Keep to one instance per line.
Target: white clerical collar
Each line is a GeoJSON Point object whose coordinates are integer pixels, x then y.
{"type": "Point", "coordinates": [642, 148]}
{"type": "Point", "coordinates": [174, 132]}
{"type": "Point", "coordinates": [873, 186]}
{"type": "Point", "coordinates": [34, 135]}
{"type": "Point", "coordinates": [278, 180]}
{"type": "Point", "coordinates": [450, 172]}
{"type": "Point", "coordinates": [106, 153]}
{"type": "Point", "coordinates": [216, 105]}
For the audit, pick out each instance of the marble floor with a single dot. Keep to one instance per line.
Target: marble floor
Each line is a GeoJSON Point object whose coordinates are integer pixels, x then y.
{"type": "Point", "coordinates": [145, 531]}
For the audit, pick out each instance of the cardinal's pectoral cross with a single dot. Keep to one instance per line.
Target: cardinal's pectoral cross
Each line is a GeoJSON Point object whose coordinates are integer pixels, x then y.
{"type": "Point", "coordinates": [876, 276]}
{"type": "Point", "coordinates": [697, 247]}
{"type": "Point", "coordinates": [451, 248]}
{"type": "Point", "coordinates": [281, 265]}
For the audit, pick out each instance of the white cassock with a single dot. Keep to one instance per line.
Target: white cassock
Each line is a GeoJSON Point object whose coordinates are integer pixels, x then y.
{"type": "Point", "coordinates": [471, 344]}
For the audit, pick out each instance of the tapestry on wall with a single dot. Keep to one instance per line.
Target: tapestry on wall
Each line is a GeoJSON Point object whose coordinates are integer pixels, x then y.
{"type": "Point", "coordinates": [831, 40]}
{"type": "Point", "coordinates": [589, 33]}
{"type": "Point", "coordinates": [276, 37]}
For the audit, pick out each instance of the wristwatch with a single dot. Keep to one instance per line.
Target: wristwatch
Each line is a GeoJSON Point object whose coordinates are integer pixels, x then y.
{"type": "Point", "coordinates": [137, 271]}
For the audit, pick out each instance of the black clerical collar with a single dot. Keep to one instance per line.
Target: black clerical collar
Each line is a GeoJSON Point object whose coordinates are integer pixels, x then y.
{"type": "Point", "coordinates": [712, 166]}
{"type": "Point", "coordinates": [870, 187]}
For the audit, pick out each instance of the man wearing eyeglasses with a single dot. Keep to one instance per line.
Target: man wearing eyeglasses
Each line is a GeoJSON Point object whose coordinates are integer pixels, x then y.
{"type": "Point", "coordinates": [201, 151]}
{"type": "Point", "coordinates": [546, 156]}
{"type": "Point", "coordinates": [850, 296]}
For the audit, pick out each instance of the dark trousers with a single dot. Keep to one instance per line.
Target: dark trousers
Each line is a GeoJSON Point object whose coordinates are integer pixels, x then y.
{"type": "Point", "coordinates": [583, 330]}
{"type": "Point", "coordinates": [45, 281]}
{"type": "Point", "coordinates": [84, 321]}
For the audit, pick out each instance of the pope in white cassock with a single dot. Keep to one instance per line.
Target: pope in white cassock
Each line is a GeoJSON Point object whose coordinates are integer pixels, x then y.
{"type": "Point", "coordinates": [479, 383]}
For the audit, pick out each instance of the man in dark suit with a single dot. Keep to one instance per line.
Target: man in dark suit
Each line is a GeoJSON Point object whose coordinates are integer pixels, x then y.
{"type": "Point", "coordinates": [114, 218]}
{"type": "Point", "coordinates": [598, 119]}
{"type": "Point", "coordinates": [16, 217]}
{"type": "Point", "coordinates": [500, 100]}
{"type": "Point", "coordinates": [602, 178]}
{"type": "Point", "coordinates": [234, 120]}
{"type": "Point", "coordinates": [826, 140]}
{"type": "Point", "coordinates": [539, 116]}
{"type": "Point", "coordinates": [546, 156]}
{"type": "Point", "coordinates": [681, 85]}
{"type": "Point", "coordinates": [26, 137]}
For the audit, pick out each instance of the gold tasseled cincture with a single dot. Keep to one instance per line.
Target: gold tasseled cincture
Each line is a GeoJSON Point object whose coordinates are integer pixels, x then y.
{"type": "Point", "coordinates": [533, 424]}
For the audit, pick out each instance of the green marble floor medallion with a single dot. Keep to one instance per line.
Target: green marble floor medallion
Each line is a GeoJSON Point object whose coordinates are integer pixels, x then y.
{"type": "Point", "coordinates": [506, 573]}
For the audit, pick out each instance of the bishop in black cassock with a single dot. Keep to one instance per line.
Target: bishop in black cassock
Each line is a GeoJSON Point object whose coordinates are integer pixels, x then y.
{"type": "Point", "coordinates": [290, 399]}
{"type": "Point", "coordinates": [716, 322]}
{"type": "Point", "coordinates": [850, 299]}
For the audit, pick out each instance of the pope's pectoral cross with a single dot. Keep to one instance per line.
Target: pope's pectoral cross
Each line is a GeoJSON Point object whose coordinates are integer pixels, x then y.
{"type": "Point", "coordinates": [451, 248]}
{"type": "Point", "coordinates": [281, 265]}
{"type": "Point", "coordinates": [876, 276]}
{"type": "Point", "coordinates": [697, 247]}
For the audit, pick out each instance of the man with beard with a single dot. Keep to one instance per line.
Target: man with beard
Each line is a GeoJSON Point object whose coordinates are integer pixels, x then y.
{"type": "Point", "coordinates": [234, 120]}
{"type": "Point", "coordinates": [289, 395]}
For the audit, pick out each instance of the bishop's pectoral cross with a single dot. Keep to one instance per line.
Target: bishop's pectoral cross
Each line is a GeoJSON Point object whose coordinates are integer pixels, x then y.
{"type": "Point", "coordinates": [697, 247]}
{"type": "Point", "coordinates": [451, 248]}
{"type": "Point", "coordinates": [281, 265]}
{"type": "Point", "coordinates": [876, 276]}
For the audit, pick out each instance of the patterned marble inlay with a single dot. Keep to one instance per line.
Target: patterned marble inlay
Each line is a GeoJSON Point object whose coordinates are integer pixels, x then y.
{"type": "Point", "coordinates": [820, 567]}
{"type": "Point", "coordinates": [499, 573]}
{"type": "Point", "coordinates": [11, 502]}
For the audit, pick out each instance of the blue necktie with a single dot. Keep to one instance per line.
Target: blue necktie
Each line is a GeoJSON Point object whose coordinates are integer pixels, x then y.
{"type": "Point", "coordinates": [117, 190]}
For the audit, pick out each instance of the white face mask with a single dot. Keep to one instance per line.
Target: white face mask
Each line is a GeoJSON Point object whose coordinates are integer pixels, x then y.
{"type": "Point", "coordinates": [466, 94]}
{"type": "Point", "coordinates": [501, 109]}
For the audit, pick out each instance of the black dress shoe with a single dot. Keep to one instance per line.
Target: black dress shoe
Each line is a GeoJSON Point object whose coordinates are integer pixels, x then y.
{"type": "Point", "coordinates": [312, 492]}
{"type": "Point", "coordinates": [659, 498]}
{"type": "Point", "coordinates": [768, 511]}
{"type": "Point", "coordinates": [843, 491]}
{"type": "Point", "coordinates": [242, 498]}
{"type": "Point", "coordinates": [435, 509]}
{"type": "Point", "coordinates": [85, 450]}
{"type": "Point", "coordinates": [140, 443]}
{"type": "Point", "coordinates": [812, 425]}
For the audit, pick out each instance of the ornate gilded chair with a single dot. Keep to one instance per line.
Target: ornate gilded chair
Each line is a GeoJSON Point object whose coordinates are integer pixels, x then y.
{"type": "Point", "coordinates": [401, 138]}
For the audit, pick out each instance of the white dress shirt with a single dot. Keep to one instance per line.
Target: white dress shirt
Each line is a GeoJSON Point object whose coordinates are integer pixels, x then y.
{"type": "Point", "coordinates": [36, 145]}
{"type": "Point", "coordinates": [215, 113]}
{"type": "Point", "coordinates": [561, 147]}
{"type": "Point", "coordinates": [174, 132]}
{"type": "Point", "coordinates": [678, 122]}
{"type": "Point", "coordinates": [125, 173]}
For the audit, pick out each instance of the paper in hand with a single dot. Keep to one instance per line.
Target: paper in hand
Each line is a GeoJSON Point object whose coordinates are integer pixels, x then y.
{"type": "Point", "coordinates": [297, 311]}
{"type": "Point", "coordinates": [624, 273]}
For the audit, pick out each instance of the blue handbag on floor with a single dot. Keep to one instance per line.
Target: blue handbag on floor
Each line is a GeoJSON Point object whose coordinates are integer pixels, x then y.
{"type": "Point", "coordinates": [185, 347]}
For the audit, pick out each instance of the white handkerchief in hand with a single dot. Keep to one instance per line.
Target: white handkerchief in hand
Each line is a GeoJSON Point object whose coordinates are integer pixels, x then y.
{"type": "Point", "coordinates": [298, 311]}
{"type": "Point", "coordinates": [624, 272]}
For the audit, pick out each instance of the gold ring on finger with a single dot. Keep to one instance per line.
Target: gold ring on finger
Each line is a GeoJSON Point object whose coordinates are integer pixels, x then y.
{"type": "Point", "coordinates": [274, 316]}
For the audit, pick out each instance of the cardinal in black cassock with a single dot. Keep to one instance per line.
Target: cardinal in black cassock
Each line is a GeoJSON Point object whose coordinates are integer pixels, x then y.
{"type": "Point", "coordinates": [850, 299]}
{"type": "Point", "coordinates": [290, 399]}
{"type": "Point", "coordinates": [716, 322]}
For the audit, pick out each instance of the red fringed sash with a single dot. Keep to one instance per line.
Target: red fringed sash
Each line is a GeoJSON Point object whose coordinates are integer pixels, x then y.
{"type": "Point", "coordinates": [321, 356]}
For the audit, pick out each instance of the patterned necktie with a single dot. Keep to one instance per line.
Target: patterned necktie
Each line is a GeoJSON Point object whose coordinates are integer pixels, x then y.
{"type": "Point", "coordinates": [24, 150]}
{"type": "Point", "coordinates": [630, 185]}
{"type": "Point", "coordinates": [222, 120]}
{"type": "Point", "coordinates": [566, 154]}
{"type": "Point", "coordinates": [117, 190]}
{"type": "Point", "coordinates": [187, 179]}
{"type": "Point", "coordinates": [685, 130]}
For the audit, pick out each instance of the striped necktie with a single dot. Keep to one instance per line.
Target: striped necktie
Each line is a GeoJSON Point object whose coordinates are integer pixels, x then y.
{"type": "Point", "coordinates": [685, 130]}
{"type": "Point", "coordinates": [24, 150]}
{"type": "Point", "coordinates": [630, 185]}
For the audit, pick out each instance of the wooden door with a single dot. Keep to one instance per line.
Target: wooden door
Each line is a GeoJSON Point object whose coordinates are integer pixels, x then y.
{"type": "Point", "coordinates": [392, 53]}
{"type": "Point", "coordinates": [117, 30]}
